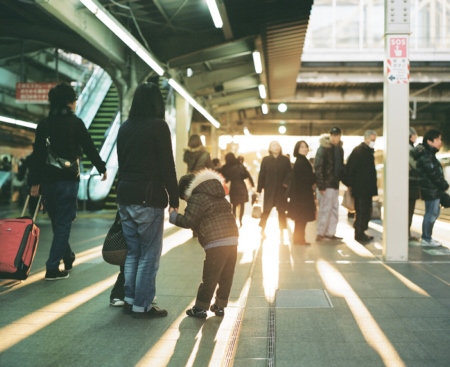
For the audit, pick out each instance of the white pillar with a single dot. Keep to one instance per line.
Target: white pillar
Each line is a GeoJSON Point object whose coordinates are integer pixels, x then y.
{"type": "Point", "coordinates": [395, 130]}
{"type": "Point", "coordinates": [183, 123]}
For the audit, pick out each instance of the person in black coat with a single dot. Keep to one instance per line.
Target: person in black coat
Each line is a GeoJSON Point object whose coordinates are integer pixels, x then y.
{"type": "Point", "coordinates": [235, 173]}
{"type": "Point", "coordinates": [301, 207]}
{"type": "Point", "coordinates": [432, 183]}
{"type": "Point", "coordinates": [362, 181]}
{"type": "Point", "coordinates": [68, 138]}
{"type": "Point", "coordinates": [413, 183]}
{"type": "Point", "coordinates": [147, 184]}
{"type": "Point", "coordinates": [273, 179]}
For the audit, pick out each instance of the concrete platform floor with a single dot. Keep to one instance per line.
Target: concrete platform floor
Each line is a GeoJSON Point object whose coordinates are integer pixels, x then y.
{"type": "Point", "coordinates": [332, 303]}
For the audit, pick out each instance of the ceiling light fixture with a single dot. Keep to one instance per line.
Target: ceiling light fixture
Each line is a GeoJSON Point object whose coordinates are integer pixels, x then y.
{"type": "Point", "coordinates": [282, 129]}
{"type": "Point", "coordinates": [215, 14]}
{"type": "Point", "coordinates": [9, 120]}
{"type": "Point", "coordinates": [262, 91]}
{"type": "Point", "coordinates": [189, 72]}
{"type": "Point", "coordinates": [114, 26]}
{"type": "Point", "coordinates": [265, 108]}
{"type": "Point", "coordinates": [193, 102]}
{"type": "Point", "coordinates": [257, 62]}
{"type": "Point", "coordinates": [126, 37]}
{"type": "Point", "coordinates": [282, 107]}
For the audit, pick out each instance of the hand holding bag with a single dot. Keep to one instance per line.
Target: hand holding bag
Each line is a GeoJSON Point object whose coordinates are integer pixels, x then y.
{"type": "Point", "coordinates": [445, 200]}
{"type": "Point", "coordinates": [348, 201]}
{"type": "Point", "coordinates": [256, 210]}
{"type": "Point", "coordinates": [115, 249]}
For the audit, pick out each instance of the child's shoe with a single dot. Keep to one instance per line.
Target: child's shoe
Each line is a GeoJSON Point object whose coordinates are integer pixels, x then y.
{"type": "Point", "coordinates": [219, 311]}
{"type": "Point", "coordinates": [196, 312]}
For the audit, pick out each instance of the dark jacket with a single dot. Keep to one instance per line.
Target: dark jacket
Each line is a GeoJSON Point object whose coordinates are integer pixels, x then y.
{"type": "Point", "coordinates": [414, 188]}
{"type": "Point", "coordinates": [236, 174]}
{"type": "Point", "coordinates": [361, 172]}
{"type": "Point", "coordinates": [69, 138]}
{"type": "Point", "coordinates": [274, 173]}
{"type": "Point", "coordinates": [432, 182]}
{"type": "Point", "coordinates": [197, 159]}
{"type": "Point", "coordinates": [207, 212]}
{"type": "Point", "coordinates": [146, 166]}
{"type": "Point", "coordinates": [324, 164]}
{"type": "Point", "coordinates": [301, 205]}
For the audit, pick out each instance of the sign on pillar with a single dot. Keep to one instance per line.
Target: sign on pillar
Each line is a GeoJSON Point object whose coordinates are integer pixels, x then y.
{"type": "Point", "coordinates": [398, 61]}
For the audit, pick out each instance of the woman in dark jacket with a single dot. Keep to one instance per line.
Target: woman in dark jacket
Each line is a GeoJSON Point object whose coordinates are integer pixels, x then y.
{"type": "Point", "coordinates": [235, 173]}
{"type": "Point", "coordinates": [301, 208]}
{"type": "Point", "coordinates": [68, 137]}
{"type": "Point", "coordinates": [274, 178]}
{"type": "Point", "coordinates": [196, 157]}
{"type": "Point", "coordinates": [146, 177]}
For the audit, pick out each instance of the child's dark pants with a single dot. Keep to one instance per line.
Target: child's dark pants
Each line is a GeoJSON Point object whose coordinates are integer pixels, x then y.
{"type": "Point", "coordinates": [218, 268]}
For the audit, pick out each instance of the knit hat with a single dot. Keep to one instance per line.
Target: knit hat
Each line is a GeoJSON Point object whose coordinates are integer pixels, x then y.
{"type": "Point", "coordinates": [185, 181]}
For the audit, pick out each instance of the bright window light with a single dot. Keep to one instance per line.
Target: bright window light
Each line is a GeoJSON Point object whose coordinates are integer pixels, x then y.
{"type": "Point", "coordinates": [282, 107]}
{"type": "Point", "coordinates": [265, 108]}
{"type": "Point", "coordinates": [262, 91]}
{"type": "Point", "coordinates": [203, 139]}
{"type": "Point", "coordinates": [9, 120]}
{"type": "Point", "coordinates": [257, 62]}
{"type": "Point", "coordinates": [246, 132]}
{"type": "Point", "coordinates": [215, 14]}
{"type": "Point", "coordinates": [193, 102]}
{"type": "Point", "coordinates": [282, 129]}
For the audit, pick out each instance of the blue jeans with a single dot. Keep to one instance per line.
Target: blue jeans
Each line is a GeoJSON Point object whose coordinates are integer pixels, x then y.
{"type": "Point", "coordinates": [432, 211]}
{"type": "Point", "coordinates": [143, 231]}
{"type": "Point", "coordinates": [60, 200]}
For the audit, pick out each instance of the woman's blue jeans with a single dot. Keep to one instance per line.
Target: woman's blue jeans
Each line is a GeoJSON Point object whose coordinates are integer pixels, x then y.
{"type": "Point", "coordinates": [60, 200]}
{"type": "Point", "coordinates": [432, 211]}
{"type": "Point", "coordinates": [143, 231]}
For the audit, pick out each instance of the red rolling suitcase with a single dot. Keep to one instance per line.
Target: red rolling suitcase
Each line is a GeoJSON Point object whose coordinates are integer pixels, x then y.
{"type": "Point", "coordinates": [18, 243]}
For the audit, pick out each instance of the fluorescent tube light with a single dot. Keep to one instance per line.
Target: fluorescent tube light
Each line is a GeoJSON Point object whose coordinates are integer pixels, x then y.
{"type": "Point", "coordinates": [9, 120]}
{"type": "Point", "coordinates": [126, 37]}
{"type": "Point", "coordinates": [144, 55]}
{"type": "Point", "coordinates": [257, 62]}
{"type": "Point", "coordinates": [262, 91]}
{"type": "Point", "coordinates": [193, 102]}
{"type": "Point", "coordinates": [215, 14]}
{"type": "Point", "coordinates": [265, 108]}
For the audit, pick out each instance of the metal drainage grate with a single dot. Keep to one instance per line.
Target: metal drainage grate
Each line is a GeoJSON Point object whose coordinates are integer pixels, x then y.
{"type": "Point", "coordinates": [302, 298]}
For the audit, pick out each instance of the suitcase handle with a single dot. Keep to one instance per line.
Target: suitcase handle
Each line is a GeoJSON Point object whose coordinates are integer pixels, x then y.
{"type": "Point", "coordinates": [37, 207]}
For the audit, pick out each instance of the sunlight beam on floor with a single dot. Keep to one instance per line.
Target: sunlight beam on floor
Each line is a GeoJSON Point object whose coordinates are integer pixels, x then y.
{"type": "Point", "coordinates": [71, 302]}
{"type": "Point", "coordinates": [371, 331]}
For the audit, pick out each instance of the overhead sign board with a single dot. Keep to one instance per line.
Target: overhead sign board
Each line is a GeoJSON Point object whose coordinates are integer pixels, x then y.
{"type": "Point", "coordinates": [33, 92]}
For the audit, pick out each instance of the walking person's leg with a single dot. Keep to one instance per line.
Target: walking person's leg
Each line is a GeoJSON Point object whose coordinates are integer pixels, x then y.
{"type": "Point", "coordinates": [432, 211]}
{"type": "Point", "coordinates": [241, 213]}
{"type": "Point", "coordinates": [150, 228]}
{"type": "Point", "coordinates": [333, 219]}
{"type": "Point", "coordinates": [325, 207]}
{"type": "Point", "coordinates": [61, 204]}
{"type": "Point", "coordinates": [225, 280]}
{"type": "Point", "coordinates": [118, 292]}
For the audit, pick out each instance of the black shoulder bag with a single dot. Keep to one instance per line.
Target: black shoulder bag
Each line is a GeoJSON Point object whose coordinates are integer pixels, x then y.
{"type": "Point", "coordinates": [53, 159]}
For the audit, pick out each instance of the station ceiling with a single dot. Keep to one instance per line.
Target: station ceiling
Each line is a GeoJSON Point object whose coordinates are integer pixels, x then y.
{"type": "Point", "coordinates": [181, 34]}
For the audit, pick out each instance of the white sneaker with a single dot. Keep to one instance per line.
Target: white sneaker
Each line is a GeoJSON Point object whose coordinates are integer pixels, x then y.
{"type": "Point", "coordinates": [116, 302]}
{"type": "Point", "coordinates": [431, 243]}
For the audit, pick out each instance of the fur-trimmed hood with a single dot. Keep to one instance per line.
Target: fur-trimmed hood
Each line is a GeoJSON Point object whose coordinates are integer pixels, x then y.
{"type": "Point", "coordinates": [326, 142]}
{"type": "Point", "coordinates": [207, 181]}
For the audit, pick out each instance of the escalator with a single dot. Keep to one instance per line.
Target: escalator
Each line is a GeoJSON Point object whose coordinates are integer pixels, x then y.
{"type": "Point", "coordinates": [102, 121]}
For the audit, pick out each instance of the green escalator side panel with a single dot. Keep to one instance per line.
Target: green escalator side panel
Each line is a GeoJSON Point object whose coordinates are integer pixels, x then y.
{"type": "Point", "coordinates": [102, 121]}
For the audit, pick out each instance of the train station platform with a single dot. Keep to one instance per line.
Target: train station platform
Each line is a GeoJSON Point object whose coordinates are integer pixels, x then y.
{"type": "Point", "coordinates": [333, 303]}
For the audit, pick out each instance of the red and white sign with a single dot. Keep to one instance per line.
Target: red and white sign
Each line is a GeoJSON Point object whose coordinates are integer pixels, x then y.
{"type": "Point", "coordinates": [33, 92]}
{"type": "Point", "coordinates": [398, 47]}
{"type": "Point", "coordinates": [398, 71]}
